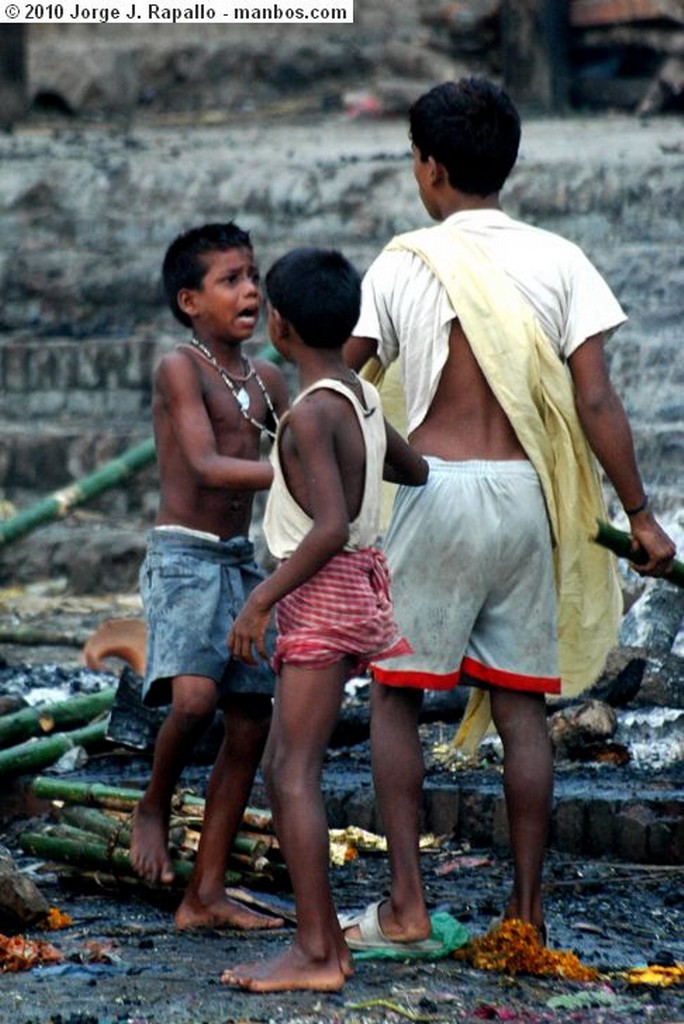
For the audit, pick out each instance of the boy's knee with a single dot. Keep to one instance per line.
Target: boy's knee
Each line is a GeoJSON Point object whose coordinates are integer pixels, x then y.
{"type": "Point", "coordinates": [191, 720]}
{"type": "Point", "coordinates": [193, 711]}
{"type": "Point", "coordinates": [194, 700]}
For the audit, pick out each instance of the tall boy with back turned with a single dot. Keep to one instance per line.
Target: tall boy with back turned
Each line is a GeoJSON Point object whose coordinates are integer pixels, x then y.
{"type": "Point", "coordinates": [210, 407]}
{"type": "Point", "coordinates": [499, 330]}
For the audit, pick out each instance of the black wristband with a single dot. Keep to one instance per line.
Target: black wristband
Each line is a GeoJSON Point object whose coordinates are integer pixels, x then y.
{"type": "Point", "coordinates": [639, 508]}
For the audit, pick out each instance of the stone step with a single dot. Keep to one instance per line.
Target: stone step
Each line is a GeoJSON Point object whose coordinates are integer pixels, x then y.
{"type": "Point", "coordinates": [591, 815]}
{"type": "Point", "coordinates": [102, 380]}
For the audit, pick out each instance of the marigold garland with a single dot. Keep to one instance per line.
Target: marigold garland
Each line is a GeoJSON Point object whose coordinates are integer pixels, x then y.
{"type": "Point", "coordinates": [514, 947]}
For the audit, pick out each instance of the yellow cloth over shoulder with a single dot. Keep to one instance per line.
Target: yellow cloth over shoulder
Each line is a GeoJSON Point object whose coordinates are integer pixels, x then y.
{"type": "Point", "coordinates": [535, 390]}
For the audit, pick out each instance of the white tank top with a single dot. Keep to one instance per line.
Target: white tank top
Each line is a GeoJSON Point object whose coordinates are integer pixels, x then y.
{"type": "Point", "coordinates": [286, 523]}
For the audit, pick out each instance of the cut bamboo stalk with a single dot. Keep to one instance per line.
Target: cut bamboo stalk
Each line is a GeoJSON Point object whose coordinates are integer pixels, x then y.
{"type": "Point", "coordinates": [620, 543]}
{"type": "Point", "coordinates": [88, 852]}
{"type": "Point", "coordinates": [119, 798]}
{"type": "Point", "coordinates": [95, 794]}
{"type": "Point", "coordinates": [254, 817]}
{"type": "Point", "coordinates": [35, 754]}
{"type": "Point", "coordinates": [91, 820]}
{"type": "Point", "coordinates": [99, 823]}
{"type": "Point", "coordinates": [79, 849]}
{"type": "Point", "coordinates": [49, 718]}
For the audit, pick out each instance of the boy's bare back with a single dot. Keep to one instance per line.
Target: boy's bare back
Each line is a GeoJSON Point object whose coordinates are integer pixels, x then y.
{"type": "Point", "coordinates": [465, 420]}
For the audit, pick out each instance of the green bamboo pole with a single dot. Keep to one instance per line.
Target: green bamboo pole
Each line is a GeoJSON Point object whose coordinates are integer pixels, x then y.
{"type": "Point", "coordinates": [35, 754]}
{"type": "Point", "coordinates": [92, 794]}
{"type": "Point", "coordinates": [620, 543]}
{"type": "Point", "coordinates": [60, 503]}
{"type": "Point", "coordinates": [90, 819]}
{"type": "Point", "coordinates": [116, 798]}
{"type": "Point", "coordinates": [50, 718]}
{"type": "Point", "coordinates": [87, 852]}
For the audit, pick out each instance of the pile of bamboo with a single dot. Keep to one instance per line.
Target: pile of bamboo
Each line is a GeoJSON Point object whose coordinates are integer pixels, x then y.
{"type": "Point", "coordinates": [34, 738]}
{"type": "Point", "coordinates": [90, 830]}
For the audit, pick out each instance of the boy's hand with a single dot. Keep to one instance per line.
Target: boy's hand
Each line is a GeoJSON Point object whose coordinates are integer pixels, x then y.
{"type": "Point", "coordinates": [249, 629]}
{"type": "Point", "coordinates": [648, 535]}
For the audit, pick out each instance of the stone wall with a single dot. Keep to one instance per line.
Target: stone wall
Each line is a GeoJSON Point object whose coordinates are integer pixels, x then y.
{"type": "Point", "coordinates": [87, 214]}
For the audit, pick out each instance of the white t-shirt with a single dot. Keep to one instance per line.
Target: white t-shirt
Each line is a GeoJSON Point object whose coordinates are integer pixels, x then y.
{"type": "Point", "coordinates": [403, 303]}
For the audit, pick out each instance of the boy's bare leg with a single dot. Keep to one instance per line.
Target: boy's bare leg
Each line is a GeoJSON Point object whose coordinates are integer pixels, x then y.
{"type": "Point", "coordinates": [520, 719]}
{"type": "Point", "coordinates": [398, 770]}
{"type": "Point", "coordinates": [306, 708]}
{"type": "Point", "coordinates": [205, 904]}
{"type": "Point", "coordinates": [192, 710]}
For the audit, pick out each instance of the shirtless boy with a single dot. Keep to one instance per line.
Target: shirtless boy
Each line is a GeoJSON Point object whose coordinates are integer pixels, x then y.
{"type": "Point", "coordinates": [211, 406]}
{"type": "Point", "coordinates": [463, 305]}
{"type": "Point", "coordinates": [331, 589]}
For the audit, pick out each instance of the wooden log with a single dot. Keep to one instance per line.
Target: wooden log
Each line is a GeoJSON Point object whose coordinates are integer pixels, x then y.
{"type": "Point", "coordinates": [49, 718]}
{"type": "Point", "coordinates": [35, 754]}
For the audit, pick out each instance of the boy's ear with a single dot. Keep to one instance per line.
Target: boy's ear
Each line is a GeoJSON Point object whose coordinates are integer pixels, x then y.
{"type": "Point", "coordinates": [281, 327]}
{"type": "Point", "coordinates": [186, 300]}
{"type": "Point", "coordinates": [437, 173]}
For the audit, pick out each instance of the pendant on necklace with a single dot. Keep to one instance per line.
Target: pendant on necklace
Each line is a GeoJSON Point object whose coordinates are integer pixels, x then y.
{"type": "Point", "coordinates": [242, 399]}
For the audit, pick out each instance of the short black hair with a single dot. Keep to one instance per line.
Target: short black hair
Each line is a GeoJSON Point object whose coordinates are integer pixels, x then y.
{"type": "Point", "coordinates": [183, 266]}
{"type": "Point", "coordinates": [319, 292]}
{"type": "Point", "coordinates": [472, 127]}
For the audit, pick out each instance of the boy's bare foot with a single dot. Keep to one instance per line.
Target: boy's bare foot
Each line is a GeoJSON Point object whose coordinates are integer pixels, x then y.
{"type": "Point", "coordinates": [291, 972]}
{"type": "Point", "coordinates": [221, 913]}
{"type": "Point", "coordinates": [149, 849]}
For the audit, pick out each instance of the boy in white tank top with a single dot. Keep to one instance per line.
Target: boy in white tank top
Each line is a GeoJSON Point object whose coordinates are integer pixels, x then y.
{"type": "Point", "coordinates": [331, 590]}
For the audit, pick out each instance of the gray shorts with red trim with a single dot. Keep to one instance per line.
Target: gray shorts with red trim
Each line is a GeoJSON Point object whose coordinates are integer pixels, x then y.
{"type": "Point", "coordinates": [472, 580]}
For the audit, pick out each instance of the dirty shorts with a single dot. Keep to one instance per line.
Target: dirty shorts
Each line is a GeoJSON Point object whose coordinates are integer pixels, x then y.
{"type": "Point", "coordinates": [193, 586]}
{"type": "Point", "coordinates": [343, 611]}
{"type": "Point", "coordinates": [472, 579]}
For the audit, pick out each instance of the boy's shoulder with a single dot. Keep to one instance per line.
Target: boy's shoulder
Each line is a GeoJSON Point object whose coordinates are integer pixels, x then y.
{"type": "Point", "coordinates": [176, 359]}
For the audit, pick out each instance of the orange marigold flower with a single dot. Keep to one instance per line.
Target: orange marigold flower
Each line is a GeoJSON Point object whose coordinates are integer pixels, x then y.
{"type": "Point", "coordinates": [55, 920]}
{"type": "Point", "coordinates": [514, 947]}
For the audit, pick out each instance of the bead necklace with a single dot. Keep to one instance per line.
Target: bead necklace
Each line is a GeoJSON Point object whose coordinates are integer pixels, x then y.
{"type": "Point", "coordinates": [240, 394]}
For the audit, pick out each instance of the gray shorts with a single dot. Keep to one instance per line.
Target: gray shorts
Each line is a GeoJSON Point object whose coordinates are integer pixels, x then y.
{"type": "Point", "coordinates": [193, 588]}
{"type": "Point", "coordinates": [472, 579]}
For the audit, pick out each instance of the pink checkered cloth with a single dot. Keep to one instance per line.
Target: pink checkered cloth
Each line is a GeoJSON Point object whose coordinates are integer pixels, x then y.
{"type": "Point", "coordinates": [345, 610]}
